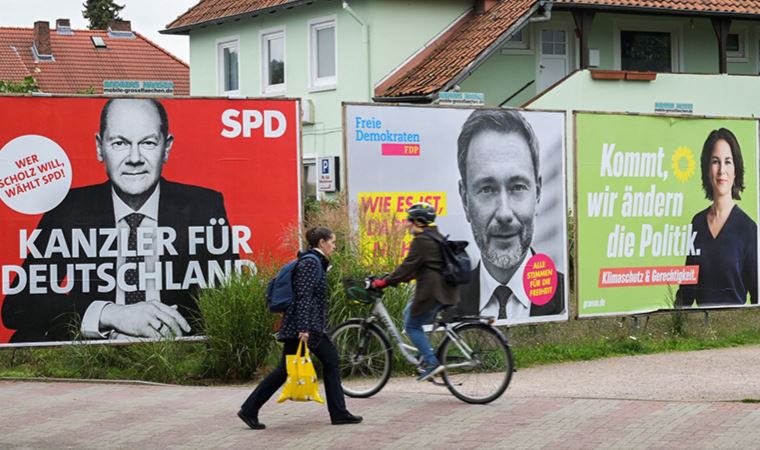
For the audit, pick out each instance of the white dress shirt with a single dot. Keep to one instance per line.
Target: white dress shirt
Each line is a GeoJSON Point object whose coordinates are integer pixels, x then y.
{"type": "Point", "coordinates": [518, 305]}
{"type": "Point", "coordinates": [91, 320]}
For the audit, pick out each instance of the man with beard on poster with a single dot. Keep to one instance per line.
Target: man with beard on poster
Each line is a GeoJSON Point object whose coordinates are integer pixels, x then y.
{"type": "Point", "coordinates": [500, 187]}
{"type": "Point", "coordinates": [138, 285]}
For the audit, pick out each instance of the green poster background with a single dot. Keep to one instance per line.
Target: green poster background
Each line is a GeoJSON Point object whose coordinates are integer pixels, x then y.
{"type": "Point", "coordinates": [639, 138]}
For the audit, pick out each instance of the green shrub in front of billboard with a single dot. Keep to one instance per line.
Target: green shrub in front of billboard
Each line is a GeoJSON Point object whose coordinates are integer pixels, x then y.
{"type": "Point", "coordinates": [667, 213]}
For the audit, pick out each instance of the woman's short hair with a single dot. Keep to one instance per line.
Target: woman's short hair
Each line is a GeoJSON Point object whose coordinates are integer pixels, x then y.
{"type": "Point", "coordinates": [316, 234]}
{"type": "Point", "coordinates": [736, 155]}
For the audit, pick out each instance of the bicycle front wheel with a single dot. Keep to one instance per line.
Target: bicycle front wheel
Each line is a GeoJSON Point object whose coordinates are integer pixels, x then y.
{"type": "Point", "coordinates": [364, 357]}
{"type": "Point", "coordinates": [479, 366]}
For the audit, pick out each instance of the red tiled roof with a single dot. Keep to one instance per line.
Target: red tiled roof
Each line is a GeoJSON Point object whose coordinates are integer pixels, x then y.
{"type": "Point", "coordinates": [455, 54]}
{"type": "Point", "coordinates": [751, 7]}
{"type": "Point", "coordinates": [79, 65]}
{"type": "Point", "coordinates": [211, 10]}
{"type": "Point", "coordinates": [12, 67]}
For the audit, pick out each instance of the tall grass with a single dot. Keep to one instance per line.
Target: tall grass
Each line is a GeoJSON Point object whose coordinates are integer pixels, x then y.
{"type": "Point", "coordinates": [238, 326]}
{"type": "Point", "coordinates": [163, 361]}
{"type": "Point", "coordinates": [160, 361]}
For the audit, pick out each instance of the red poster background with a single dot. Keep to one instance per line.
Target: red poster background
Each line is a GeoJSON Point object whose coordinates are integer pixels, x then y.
{"type": "Point", "coordinates": [258, 176]}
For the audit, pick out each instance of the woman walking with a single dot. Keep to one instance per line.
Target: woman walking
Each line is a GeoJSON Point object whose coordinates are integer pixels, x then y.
{"type": "Point", "coordinates": [306, 320]}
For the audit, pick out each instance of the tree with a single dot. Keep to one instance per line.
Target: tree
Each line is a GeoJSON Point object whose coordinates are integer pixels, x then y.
{"type": "Point", "coordinates": [100, 12]}
{"type": "Point", "coordinates": [28, 84]}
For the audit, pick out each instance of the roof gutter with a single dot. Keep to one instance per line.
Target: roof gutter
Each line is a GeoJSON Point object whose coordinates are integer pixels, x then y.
{"type": "Point", "coordinates": [426, 98]}
{"type": "Point", "coordinates": [546, 8]}
{"type": "Point", "coordinates": [650, 10]}
{"type": "Point", "coordinates": [185, 29]}
{"type": "Point", "coordinates": [365, 41]}
{"type": "Point", "coordinates": [485, 54]}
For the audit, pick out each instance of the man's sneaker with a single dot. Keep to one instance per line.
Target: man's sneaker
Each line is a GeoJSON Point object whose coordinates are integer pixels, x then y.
{"type": "Point", "coordinates": [430, 371]}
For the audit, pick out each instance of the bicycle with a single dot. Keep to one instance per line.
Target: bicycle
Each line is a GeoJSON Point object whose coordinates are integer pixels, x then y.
{"type": "Point", "coordinates": [476, 356]}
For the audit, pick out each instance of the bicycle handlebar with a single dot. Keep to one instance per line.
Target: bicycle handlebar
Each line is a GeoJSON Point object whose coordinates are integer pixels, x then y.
{"type": "Point", "coordinates": [364, 292]}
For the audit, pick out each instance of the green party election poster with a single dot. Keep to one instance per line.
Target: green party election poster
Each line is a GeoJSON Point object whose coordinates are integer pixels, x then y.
{"type": "Point", "coordinates": [666, 213]}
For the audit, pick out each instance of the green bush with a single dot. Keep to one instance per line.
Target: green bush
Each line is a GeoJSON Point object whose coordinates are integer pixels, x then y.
{"type": "Point", "coordinates": [238, 325]}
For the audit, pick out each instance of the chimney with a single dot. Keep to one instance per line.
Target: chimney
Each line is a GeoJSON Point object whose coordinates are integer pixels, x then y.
{"type": "Point", "coordinates": [120, 25]}
{"type": "Point", "coordinates": [483, 6]}
{"type": "Point", "coordinates": [42, 47]}
{"type": "Point", "coordinates": [63, 26]}
{"type": "Point", "coordinates": [120, 29]}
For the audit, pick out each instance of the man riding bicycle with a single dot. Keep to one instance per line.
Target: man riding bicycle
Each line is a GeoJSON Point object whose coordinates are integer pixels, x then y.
{"type": "Point", "coordinates": [423, 263]}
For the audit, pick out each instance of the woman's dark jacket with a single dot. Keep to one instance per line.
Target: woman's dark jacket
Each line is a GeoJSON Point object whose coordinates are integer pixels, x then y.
{"type": "Point", "coordinates": [727, 263]}
{"type": "Point", "coordinates": [308, 312]}
{"type": "Point", "coordinates": [424, 263]}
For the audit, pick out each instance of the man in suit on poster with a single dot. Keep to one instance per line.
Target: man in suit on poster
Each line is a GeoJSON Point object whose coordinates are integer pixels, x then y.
{"type": "Point", "coordinates": [500, 187]}
{"type": "Point", "coordinates": [145, 282]}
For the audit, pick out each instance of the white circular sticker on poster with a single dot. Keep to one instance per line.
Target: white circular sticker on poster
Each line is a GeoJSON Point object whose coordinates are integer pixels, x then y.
{"type": "Point", "coordinates": [35, 174]}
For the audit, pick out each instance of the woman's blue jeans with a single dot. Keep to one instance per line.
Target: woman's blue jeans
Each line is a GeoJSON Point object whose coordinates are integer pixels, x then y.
{"type": "Point", "coordinates": [413, 327]}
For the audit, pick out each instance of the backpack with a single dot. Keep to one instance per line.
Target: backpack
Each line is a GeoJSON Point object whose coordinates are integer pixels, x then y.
{"type": "Point", "coordinates": [279, 294]}
{"type": "Point", "coordinates": [457, 268]}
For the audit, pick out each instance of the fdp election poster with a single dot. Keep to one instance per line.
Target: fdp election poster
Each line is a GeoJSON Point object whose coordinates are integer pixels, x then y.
{"type": "Point", "coordinates": [667, 213]}
{"type": "Point", "coordinates": [496, 179]}
{"type": "Point", "coordinates": [116, 212]}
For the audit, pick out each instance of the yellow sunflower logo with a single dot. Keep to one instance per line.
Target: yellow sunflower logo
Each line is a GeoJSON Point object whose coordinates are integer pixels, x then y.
{"type": "Point", "coordinates": [683, 164]}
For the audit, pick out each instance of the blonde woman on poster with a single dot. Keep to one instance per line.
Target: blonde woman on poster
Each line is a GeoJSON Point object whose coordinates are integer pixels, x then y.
{"type": "Point", "coordinates": [726, 239]}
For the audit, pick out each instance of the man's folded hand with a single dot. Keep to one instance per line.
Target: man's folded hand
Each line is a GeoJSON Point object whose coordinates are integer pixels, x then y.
{"type": "Point", "coordinates": [144, 319]}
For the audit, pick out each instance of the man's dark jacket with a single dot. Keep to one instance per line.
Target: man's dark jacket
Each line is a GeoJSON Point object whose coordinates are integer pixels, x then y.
{"type": "Point", "coordinates": [53, 317]}
{"type": "Point", "coordinates": [424, 263]}
{"type": "Point", "coordinates": [470, 304]}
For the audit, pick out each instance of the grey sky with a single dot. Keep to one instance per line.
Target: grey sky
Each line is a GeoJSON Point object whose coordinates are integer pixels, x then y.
{"type": "Point", "coordinates": [147, 16]}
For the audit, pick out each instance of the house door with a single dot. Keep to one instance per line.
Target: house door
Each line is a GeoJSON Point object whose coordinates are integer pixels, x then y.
{"type": "Point", "coordinates": [553, 63]}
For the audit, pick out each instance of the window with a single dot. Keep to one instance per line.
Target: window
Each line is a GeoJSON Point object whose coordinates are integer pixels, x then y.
{"type": "Point", "coordinates": [733, 43]}
{"type": "Point", "coordinates": [273, 62]}
{"type": "Point", "coordinates": [322, 54]}
{"type": "Point", "coordinates": [518, 43]}
{"type": "Point", "coordinates": [553, 42]}
{"type": "Point", "coordinates": [229, 67]}
{"type": "Point", "coordinates": [518, 40]}
{"type": "Point", "coordinates": [309, 178]}
{"type": "Point", "coordinates": [736, 45]}
{"type": "Point", "coordinates": [646, 51]}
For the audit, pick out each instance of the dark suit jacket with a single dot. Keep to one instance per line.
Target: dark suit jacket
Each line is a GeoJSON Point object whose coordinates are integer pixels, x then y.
{"type": "Point", "coordinates": [51, 316]}
{"type": "Point", "coordinates": [470, 304]}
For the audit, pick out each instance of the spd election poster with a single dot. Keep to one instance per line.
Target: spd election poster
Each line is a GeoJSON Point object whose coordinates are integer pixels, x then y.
{"type": "Point", "coordinates": [116, 212]}
{"type": "Point", "coordinates": [667, 213]}
{"type": "Point", "coordinates": [496, 179]}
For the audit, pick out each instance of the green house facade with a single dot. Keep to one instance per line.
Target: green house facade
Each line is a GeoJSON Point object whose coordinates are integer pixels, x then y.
{"type": "Point", "coordinates": [509, 52]}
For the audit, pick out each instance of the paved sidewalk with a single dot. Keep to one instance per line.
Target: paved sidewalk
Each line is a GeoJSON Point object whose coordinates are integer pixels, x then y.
{"type": "Point", "coordinates": [676, 400]}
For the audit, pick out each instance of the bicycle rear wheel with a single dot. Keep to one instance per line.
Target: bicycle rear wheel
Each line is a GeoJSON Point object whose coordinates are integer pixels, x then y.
{"type": "Point", "coordinates": [364, 357]}
{"type": "Point", "coordinates": [486, 375]}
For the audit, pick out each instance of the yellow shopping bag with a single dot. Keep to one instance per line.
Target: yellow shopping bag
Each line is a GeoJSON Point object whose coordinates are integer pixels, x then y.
{"type": "Point", "coordinates": [301, 385]}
